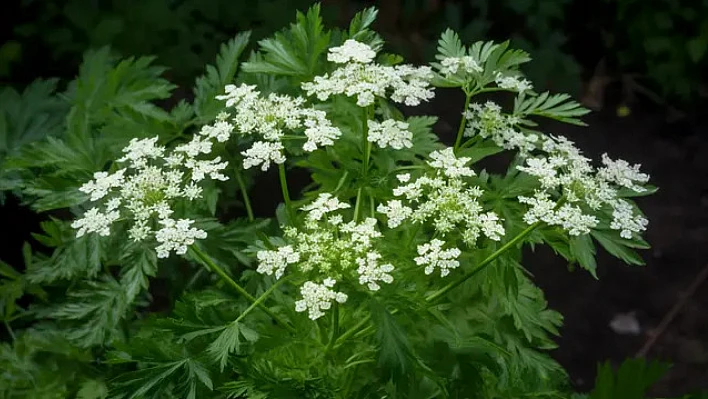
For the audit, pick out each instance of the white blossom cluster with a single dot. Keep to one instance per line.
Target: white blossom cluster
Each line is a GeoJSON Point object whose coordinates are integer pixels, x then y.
{"type": "Point", "coordinates": [488, 121]}
{"type": "Point", "coordinates": [454, 65]}
{"type": "Point", "coordinates": [269, 118]}
{"type": "Point", "coordinates": [328, 248]}
{"type": "Point", "coordinates": [563, 169]}
{"type": "Point", "coordinates": [150, 180]}
{"type": "Point", "coordinates": [390, 133]}
{"type": "Point", "coordinates": [432, 256]}
{"type": "Point", "coordinates": [444, 200]}
{"type": "Point", "coordinates": [512, 83]}
{"type": "Point", "coordinates": [360, 76]}
{"type": "Point", "coordinates": [318, 297]}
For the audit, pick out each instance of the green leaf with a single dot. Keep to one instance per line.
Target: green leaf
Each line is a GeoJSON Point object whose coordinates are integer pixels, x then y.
{"type": "Point", "coordinates": [229, 341]}
{"type": "Point", "coordinates": [449, 45]}
{"type": "Point", "coordinates": [631, 381]}
{"type": "Point", "coordinates": [583, 250]}
{"type": "Point", "coordinates": [139, 264]}
{"type": "Point", "coordinates": [92, 312]}
{"type": "Point", "coordinates": [557, 106]}
{"type": "Point", "coordinates": [217, 76]}
{"type": "Point", "coordinates": [80, 257]}
{"type": "Point", "coordinates": [294, 52]}
{"type": "Point", "coordinates": [92, 389]}
{"type": "Point", "coordinates": [395, 350]}
{"type": "Point", "coordinates": [619, 247]}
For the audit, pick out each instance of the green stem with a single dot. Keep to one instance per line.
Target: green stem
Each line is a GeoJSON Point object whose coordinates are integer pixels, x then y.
{"type": "Point", "coordinates": [486, 262]}
{"type": "Point", "coordinates": [463, 122]}
{"type": "Point", "coordinates": [335, 327]}
{"type": "Point", "coordinates": [261, 298]}
{"type": "Point", "coordinates": [211, 265]}
{"type": "Point", "coordinates": [9, 330]}
{"type": "Point", "coordinates": [244, 194]}
{"type": "Point", "coordinates": [366, 143]}
{"type": "Point", "coordinates": [286, 193]}
{"type": "Point", "coordinates": [357, 204]}
{"type": "Point", "coordinates": [347, 334]}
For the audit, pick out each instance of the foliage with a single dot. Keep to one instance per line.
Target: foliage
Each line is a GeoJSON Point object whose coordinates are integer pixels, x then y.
{"type": "Point", "coordinates": [98, 311]}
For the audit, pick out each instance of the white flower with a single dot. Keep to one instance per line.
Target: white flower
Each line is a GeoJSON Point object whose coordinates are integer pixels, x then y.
{"type": "Point", "coordinates": [624, 219]}
{"type": "Point", "coordinates": [318, 297]}
{"type": "Point", "coordinates": [390, 133]}
{"type": "Point", "coordinates": [488, 121]}
{"type": "Point", "coordinates": [622, 174]}
{"type": "Point", "coordinates": [491, 226]}
{"type": "Point", "coordinates": [139, 151]}
{"type": "Point", "coordinates": [275, 262]}
{"type": "Point", "coordinates": [569, 217]}
{"type": "Point", "coordinates": [512, 83]}
{"type": "Point", "coordinates": [102, 183]}
{"type": "Point", "coordinates": [210, 167]}
{"type": "Point", "coordinates": [270, 118]}
{"type": "Point", "coordinates": [353, 51]}
{"type": "Point", "coordinates": [220, 131]}
{"type": "Point", "coordinates": [366, 81]}
{"type": "Point", "coordinates": [453, 65]}
{"type": "Point", "coordinates": [95, 221]}
{"type": "Point", "coordinates": [451, 166]}
{"type": "Point", "coordinates": [176, 236]}
{"type": "Point", "coordinates": [362, 233]}
{"type": "Point", "coordinates": [433, 256]}
{"type": "Point", "coordinates": [263, 153]}
{"type": "Point", "coordinates": [324, 204]}
{"type": "Point", "coordinates": [396, 212]}
{"type": "Point", "coordinates": [370, 272]}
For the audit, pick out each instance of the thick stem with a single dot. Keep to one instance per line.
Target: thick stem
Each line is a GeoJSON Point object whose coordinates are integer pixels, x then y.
{"type": "Point", "coordinates": [286, 193]}
{"type": "Point", "coordinates": [211, 265]}
{"type": "Point", "coordinates": [244, 195]}
{"type": "Point", "coordinates": [486, 262]}
{"type": "Point", "coordinates": [463, 122]}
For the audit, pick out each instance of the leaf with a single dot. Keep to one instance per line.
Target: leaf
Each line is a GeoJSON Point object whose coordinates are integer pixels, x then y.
{"type": "Point", "coordinates": [631, 381]}
{"type": "Point", "coordinates": [294, 52]}
{"type": "Point", "coordinates": [395, 351]}
{"type": "Point", "coordinates": [92, 312]}
{"type": "Point", "coordinates": [217, 76]}
{"type": "Point", "coordinates": [583, 250]}
{"type": "Point", "coordinates": [449, 45]}
{"type": "Point", "coordinates": [92, 389]}
{"type": "Point", "coordinates": [139, 263]}
{"type": "Point", "coordinates": [29, 116]}
{"type": "Point", "coordinates": [557, 106]}
{"type": "Point", "coordinates": [229, 341]}
{"type": "Point", "coordinates": [619, 247]}
{"type": "Point", "coordinates": [80, 257]}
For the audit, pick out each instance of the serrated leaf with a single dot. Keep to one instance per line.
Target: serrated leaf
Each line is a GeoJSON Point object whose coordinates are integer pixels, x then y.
{"type": "Point", "coordinates": [620, 247]}
{"type": "Point", "coordinates": [217, 76]}
{"type": "Point", "coordinates": [139, 264]}
{"type": "Point", "coordinates": [449, 45]}
{"type": "Point", "coordinates": [395, 350]}
{"type": "Point", "coordinates": [631, 381]}
{"type": "Point", "coordinates": [583, 250]}
{"type": "Point", "coordinates": [229, 341]}
{"type": "Point", "coordinates": [554, 106]}
{"type": "Point", "coordinates": [78, 258]}
{"type": "Point", "coordinates": [293, 52]}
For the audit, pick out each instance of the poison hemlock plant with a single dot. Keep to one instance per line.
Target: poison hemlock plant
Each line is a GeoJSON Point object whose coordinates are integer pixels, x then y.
{"type": "Point", "coordinates": [396, 273]}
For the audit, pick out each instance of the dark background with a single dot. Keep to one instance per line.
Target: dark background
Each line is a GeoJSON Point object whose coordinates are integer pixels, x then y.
{"type": "Point", "coordinates": [639, 64]}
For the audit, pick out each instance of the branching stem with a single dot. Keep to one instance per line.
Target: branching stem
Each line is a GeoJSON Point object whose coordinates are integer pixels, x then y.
{"type": "Point", "coordinates": [211, 265]}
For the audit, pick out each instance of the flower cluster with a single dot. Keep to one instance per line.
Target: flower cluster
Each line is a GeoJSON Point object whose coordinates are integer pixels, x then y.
{"type": "Point", "coordinates": [488, 121]}
{"type": "Point", "coordinates": [432, 256]}
{"type": "Point", "coordinates": [454, 65]}
{"type": "Point", "coordinates": [330, 249]}
{"type": "Point", "coordinates": [444, 200]}
{"type": "Point", "coordinates": [270, 118]}
{"type": "Point", "coordinates": [512, 83]}
{"type": "Point", "coordinates": [390, 133]}
{"type": "Point", "coordinates": [150, 180]}
{"type": "Point", "coordinates": [359, 76]}
{"type": "Point", "coordinates": [318, 297]}
{"type": "Point", "coordinates": [563, 169]}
